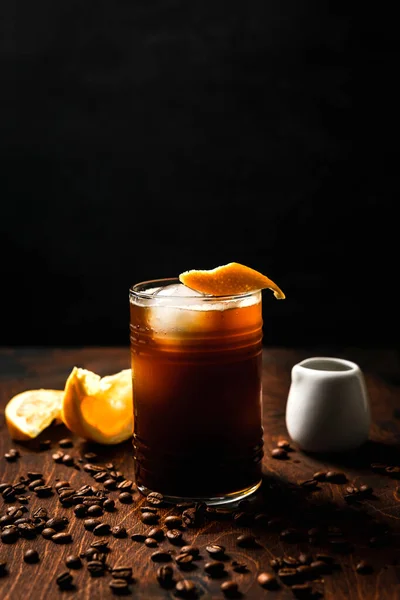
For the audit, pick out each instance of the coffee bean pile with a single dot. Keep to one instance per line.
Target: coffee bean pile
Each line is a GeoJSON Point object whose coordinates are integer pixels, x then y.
{"type": "Point", "coordinates": [167, 531]}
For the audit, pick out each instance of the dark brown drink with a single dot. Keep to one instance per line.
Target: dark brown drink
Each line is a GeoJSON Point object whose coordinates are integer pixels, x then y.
{"type": "Point", "coordinates": [196, 364]}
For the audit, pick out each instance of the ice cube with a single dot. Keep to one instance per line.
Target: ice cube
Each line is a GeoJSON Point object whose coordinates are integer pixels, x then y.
{"type": "Point", "coordinates": [177, 289]}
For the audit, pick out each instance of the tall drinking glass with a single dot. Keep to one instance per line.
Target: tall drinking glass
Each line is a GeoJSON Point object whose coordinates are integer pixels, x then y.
{"type": "Point", "coordinates": [196, 369]}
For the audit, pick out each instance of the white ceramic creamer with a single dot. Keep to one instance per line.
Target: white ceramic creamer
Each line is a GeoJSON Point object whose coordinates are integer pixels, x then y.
{"type": "Point", "coordinates": [327, 408]}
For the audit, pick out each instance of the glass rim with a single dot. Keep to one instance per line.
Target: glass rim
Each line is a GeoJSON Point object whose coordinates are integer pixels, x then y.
{"type": "Point", "coordinates": [137, 293]}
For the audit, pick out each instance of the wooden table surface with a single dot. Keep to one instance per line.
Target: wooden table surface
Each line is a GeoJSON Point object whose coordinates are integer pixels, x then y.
{"type": "Point", "coordinates": [370, 527]}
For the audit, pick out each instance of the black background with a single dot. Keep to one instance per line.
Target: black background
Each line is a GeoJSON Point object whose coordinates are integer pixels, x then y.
{"type": "Point", "coordinates": [141, 139]}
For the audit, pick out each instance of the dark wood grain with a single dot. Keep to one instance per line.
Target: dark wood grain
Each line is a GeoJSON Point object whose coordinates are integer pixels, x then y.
{"type": "Point", "coordinates": [28, 368]}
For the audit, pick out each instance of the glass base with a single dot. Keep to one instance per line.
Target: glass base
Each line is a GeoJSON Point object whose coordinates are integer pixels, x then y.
{"type": "Point", "coordinates": [224, 500]}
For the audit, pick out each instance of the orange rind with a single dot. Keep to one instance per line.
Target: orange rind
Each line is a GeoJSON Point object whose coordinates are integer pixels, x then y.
{"type": "Point", "coordinates": [28, 413]}
{"type": "Point", "coordinates": [229, 280]}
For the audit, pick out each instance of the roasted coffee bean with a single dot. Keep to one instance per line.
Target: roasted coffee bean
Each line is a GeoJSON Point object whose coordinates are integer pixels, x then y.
{"type": "Point", "coordinates": [57, 523]}
{"type": "Point", "coordinates": [101, 545]}
{"type": "Point", "coordinates": [62, 484]}
{"type": "Point", "coordinates": [43, 491]}
{"type": "Point", "coordinates": [119, 586]}
{"type": "Point", "coordinates": [243, 519]}
{"type": "Point", "coordinates": [340, 545]}
{"type": "Point", "coordinates": [321, 567]}
{"type": "Point", "coordinates": [90, 456]}
{"type": "Point", "coordinates": [193, 550]}
{"type": "Point", "coordinates": [215, 550]}
{"type": "Point", "coordinates": [302, 590]}
{"type": "Point", "coordinates": [288, 575]}
{"type": "Point", "coordinates": [23, 499]}
{"type": "Point", "coordinates": [66, 494]}
{"type": "Point", "coordinates": [57, 456]}
{"type": "Point", "coordinates": [335, 477]}
{"type": "Point", "coordinates": [85, 490]}
{"type": "Point", "coordinates": [305, 571]}
{"type": "Point", "coordinates": [65, 580]}
{"type": "Point", "coordinates": [365, 490]}
{"type": "Point", "coordinates": [36, 483]}
{"type": "Point", "coordinates": [109, 505]}
{"type": "Point", "coordinates": [247, 540]}
{"type": "Point", "coordinates": [80, 510]}
{"type": "Point", "coordinates": [290, 561]}
{"type": "Point", "coordinates": [364, 568]}
{"type": "Point", "coordinates": [12, 455]}
{"type": "Point", "coordinates": [73, 562]}
{"type": "Point", "coordinates": [151, 542]}
{"type": "Point", "coordinates": [161, 556]}
{"type": "Point", "coordinates": [4, 486]}
{"type": "Point", "coordinates": [173, 522]}
{"type": "Point", "coordinates": [267, 581]}
{"type": "Point", "coordinates": [125, 498]}
{"type": "Point", "coordinates": [184, 560]}
{"type": "Point", "coordinates": [6, 520]}
{"type": "Point", "coordinates": [19, 488]}
{"type": "Point", "coordinates": [8, 494]}
{"type": "Point", "coordinates": [125, 485]}
{"type": "Point", "coordinates": [48, 533]}
{"type": "Point", "coordinates": [117, 475]}
{"type": "Point", "coordinates": [67, 460]}
{"type": "Point", "coordinates": [149, 518]}
{"type": "Point", "coordinates": [138, 537]}
{"type": "Point", "coordinates": [27, 530]}
{"type": "Point", "coordinates": [305, 558]}
{"type": "Point", "coordinates": [61, 538]}
{"type": "Point", "coordinates": [39, 525]}
{"type": "Point", "coordinates": [290, 535]}
{"type": "Point", "coordinates": [309, 484]}
{"type": "Point", "coordinates": [102, 529]}
{"type": "Point", "coordinates": [156, 533]}
{"type": "Point", "coordinates": [34, 475]}
{"type": "Point", "coordinates": [31, 556]}
{"type": "Point", "coordinates": [214, 568]}
{"type": "Point", "coordinates": [95, 510]}
{"type": "Point", "coordinates": [279, 453]}
{"type": "Point", "coordinates": [185, 588]}
{"type": "Point", "coordinates": [189, 517]}
{"type": "Point", "coordinates": [155, 499]}
{"type": "Point", "coordinates": [9, 535]}
{"type": "Point", "coordinates": [118, 531]}
{"type": "Point", "coordinates": [239, 567]}
{"type": "Point", "coordinates": [44, 444]}
{"type": "Point", "coordinates": [22, 520]}
{"type": "Point", "coordinates": [101, 476]}
{"type": "Point", "coordinates": [92, 469]}
{"type": "Point", "coordinates": [276, 564]}
{"type": "Point", "coordinates": [96, 568]}
{"type": "Point", "coordinates": [122, 573]}
{"type": "Point", "coordinates": [326, 558]}
{"type": "Point", "coordinates": [165, 576]}
{"type": "Point", "coordinates": [378, 467]}
{"type": "Point", "coordinates": [65, 443]}
{"type": "Point", "coordinates": [285, 444]}
{"type": "Point", "coordinates": [3, 568]}
{"type": "Point", "coordinates": [90, 524]}
{"type": "Point", "coordinates": [276, 524]}
{"type": "Point", "coordinates": [110, 484]}
{"type": "Point", "coordinates": [151, 509]}
{"type": "Point", "coordinates": [261, 520]}
{"type": "Point", "coordinates": [174, 535]}
{"type": "Point", "coordinates": [230, 589]}
{"type": "Point", "coordinates": [16, 511]}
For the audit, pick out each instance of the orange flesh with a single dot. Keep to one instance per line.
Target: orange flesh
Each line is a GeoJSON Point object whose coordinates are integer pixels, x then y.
{"type": "Point", "coordinates": [228, 280]}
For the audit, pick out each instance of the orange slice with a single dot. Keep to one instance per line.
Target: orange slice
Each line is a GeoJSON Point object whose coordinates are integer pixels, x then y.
{"type": "Point", "coordinates": [97, 408]}
{"type": "Point", "coordinates": [229, 280]}
{"type": "Point", "coordinates": [30, 412]}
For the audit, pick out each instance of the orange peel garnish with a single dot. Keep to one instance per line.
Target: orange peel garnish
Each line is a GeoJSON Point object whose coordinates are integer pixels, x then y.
{"type": "Point", "coordinates": [229, 280]}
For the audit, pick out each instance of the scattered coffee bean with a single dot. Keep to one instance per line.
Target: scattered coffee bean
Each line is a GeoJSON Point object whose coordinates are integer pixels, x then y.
{"type": "Point", "coordinates": [73, 562]}
{"type": "Point", "coordinates": [321, 567]}
{"type": "Point", "coordinates": [319, 476]}
{"type": "Point", "coordinates": [364, 568]}
{"type": "Point", "coordinates": [118, 531]}
{"type": "Point", "coordinates": [6, 520]}
{"type": "Point", "coordinates": [12, 455]}
{"type": "Point", "coordinates": [290, 561]}
{"type": "Point", "coordinates": [67, 460]}
{"type": "Point", "coordinates": [165, 576]}
{"type": "Point", "coordinates": [309, 484]}
{"type": "Point", "coordinates": [3, 568]}
{"type": "Point", "coordinates": [101, 529]}
{"type": "Point", "coordinates": [122, 572]}
{"type": "Point", "coordinates": [302, 590]}
{"type": "Point", "coordinates": [267, 581]}
{"type": "Point", "coordinates": [95, 510]}
{"type": "Point", "coordinates": [378, 467]}
{"type": "Point", "coordinates": [306, 572]}
{"type": "Point", "coordinates": [125, 498]}
{"type": "Point", "coordinates": [305, 558]}
{"type": "Point", "coordinates": [65, 443]}
{"type": "Point", "coordinates": [57, 456]}
{"type": "Point", "coordinates": [279, 453]}
{"type": "Point", "coordinates": [44, 491]}
{"type": "Point", "coordinates": [276, 524]}
{"type": "Point", "coordinates": [62, 484]}
{"type": "Point", "coordinates": [101, 545]}
{"type": "Point", "coordinates": [65, 580]}
{"type": "Point", "coordinates": [119, 586]}
{"type": "Point", "coordinates": [109, 505]}
{"type": "Point", "coordinates": [48, 533]}
{"type": "Point", "coordinates": [174, 535]}
{"type": "Point", "coordinates": [336, 477]}
{"type": "Point", "coordinates": [90, 524]}
{"type": "Point", "coordinates": [173, 522]}
{"type": "Point", "coordinates": [44, 444]}
{"type": "Point", "coordinates": [117, 475]}
{"type": "Point", "coordinates": [61, 538]}
{"type": "Point", "coordinates": [326, 558]}
{"type": "Point", "coordinates": [193, 550]}
{"type": "Point", "coordinates": [239, 567]}
{"type": "Point", "coordinates": [185, 588]}
{"type": "Point", "coordinates": [247, 540]}
{"type": "Point", "coordinates": [110, 484]}
{"type": "Point", "coordinates": [230, 589]}
{"type": "Point", "coordinates": [190, 517]}
{"type": "Point", "coordinates": [214, 568]}
{"type": "Point", "coordinates": [9, 535]}
{"type": "Point", "coordinates": [288, 575]}
{"type": "Point", "coordinates": [161, 556]}
{"type": "Point", "coordinates": [27, 530]}
{"type": "Point", "coordinates": [90, 456]}
{"type": "Point", "coordinates": [35, 484]}
{"type": "Point", "coordinates": [125, 485]}
{"type": "Point", "coordinates": [31, 556]}
{"type": "Point", "coordinates": [149, 518]}
{"type": "Point", "coordinates": [215, 550]}
{"type": "Point", "coordinates": [156, 533]}
{"type": "Point", "coordinates": [155, 499]}
{"type": "Point", "coordinates": [290, 535]}
{"type": "Point", "coordinates": [243, 519]}
{"type": "Point", "coordinates": [96, 568]}
{"type": "Point", "coordinates": [57, 523]}
{"type": "Point", "coordinates": [365, 490]}
{"type": "Point", "coordinates": [101, 476]}
{"type": "Point", "coordinates": [80, 510]}
{"type": "Point", "coordinates": [151, 542]}
{"type": "Point", "coordinates": [138, 537]}
{"type": "Point", "coordinates": [145, 509]}
{"type": "Point", "coordinates": [184, 561]}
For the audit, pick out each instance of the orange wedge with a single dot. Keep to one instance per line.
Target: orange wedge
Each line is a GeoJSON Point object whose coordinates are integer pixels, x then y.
{"type": "Point", "coordinates": [229, 280]}
{"type": "Point", "coordinates": [30, 412]}
{"type": "Point", "coordinates": [99, 409]}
